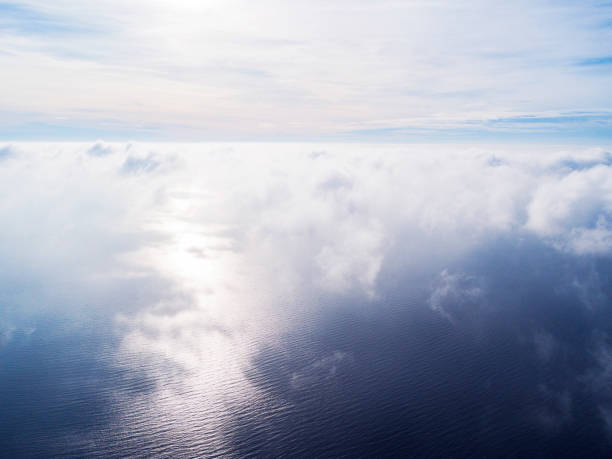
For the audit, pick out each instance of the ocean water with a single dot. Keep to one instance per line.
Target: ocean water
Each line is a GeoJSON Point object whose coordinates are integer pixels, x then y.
{"type": "Point", "coordinates": [305, 300]}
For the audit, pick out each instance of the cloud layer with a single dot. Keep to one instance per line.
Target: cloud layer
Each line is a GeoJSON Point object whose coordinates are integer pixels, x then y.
{"type": "Point", "coordinates": [273, 69]}
{"type": "Point", "coordinates": [208, 258]}
{"type": "Point", "coordinates": [203, 221]}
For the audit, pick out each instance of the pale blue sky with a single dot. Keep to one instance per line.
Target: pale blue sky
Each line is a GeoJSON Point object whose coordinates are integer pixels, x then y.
{"type": "Point", "coordinates": [313, 70]}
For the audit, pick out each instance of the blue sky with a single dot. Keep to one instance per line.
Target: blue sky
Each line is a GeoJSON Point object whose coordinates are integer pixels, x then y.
{"type": "Point", "coordinates": [319, 70]}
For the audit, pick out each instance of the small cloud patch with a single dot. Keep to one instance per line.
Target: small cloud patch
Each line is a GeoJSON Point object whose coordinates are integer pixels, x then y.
{"type": "Point", "coordinates": [100, 149]}
{"type": "Point", "coordinates": [454, 292]}
{"type": "Point", "coordinates": [136, 165]}
{"type": "Point", "coordinates": [7, 151]}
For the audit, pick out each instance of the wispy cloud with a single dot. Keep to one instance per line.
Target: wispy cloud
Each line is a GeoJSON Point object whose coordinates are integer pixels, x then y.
{"type": "Point", "coordinates": [605, 60]}
{"type": "Point", "coordinates": [272, 69]}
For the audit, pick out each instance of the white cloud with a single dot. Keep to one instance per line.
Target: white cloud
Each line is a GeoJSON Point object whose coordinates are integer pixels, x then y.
{"type": "Point", "coordinates": [100, 148]}
{"type": "Point", "coordinates": [138, 165]}
{"type": "Point", "coordinates": [270, 68]}
{"type": "Point", "coordinates": [7, 151]}
{"type": "Point", "coordinates": [454, 292]}
{"type": "Point", "coordinates": [573, 210]}
{"type": "Point", "coordinates": [240, 238]}
{"type": "Point", "coordinates": [355, 258]}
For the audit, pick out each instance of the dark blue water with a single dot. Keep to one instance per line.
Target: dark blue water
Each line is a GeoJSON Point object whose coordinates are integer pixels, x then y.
{"type": "Point", "coordinates": [516, 371]}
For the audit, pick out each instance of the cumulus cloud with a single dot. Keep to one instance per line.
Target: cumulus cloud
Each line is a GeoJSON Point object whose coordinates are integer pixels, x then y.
{"type": "Point", "coordinates": [453, 292]}
{"type": "Point", "coordinates": [225, 218]}
{"type": "Point", "coordinates": [7, 151]}
{"type": "Point", "coordinates": [573, 210]}
{"type": "Point", "coordinates": [587, 162]}
{"type": "Point", "coordinates": [354, 259]}
{"type": "Point", "coordinates": [590, 288]}
{"type": "Point", "coordinates": [100, 148]}
{"type": "Point", "coordinates": [138, 165]}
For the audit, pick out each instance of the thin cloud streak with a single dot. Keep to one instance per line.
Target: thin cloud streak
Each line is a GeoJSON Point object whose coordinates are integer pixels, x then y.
{"type": "Point", "coordinates": [222, 70]}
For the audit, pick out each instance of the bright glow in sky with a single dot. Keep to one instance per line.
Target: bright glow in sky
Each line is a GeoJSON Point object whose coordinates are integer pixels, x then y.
{"type": "Point", "coordinates": [238, 69]}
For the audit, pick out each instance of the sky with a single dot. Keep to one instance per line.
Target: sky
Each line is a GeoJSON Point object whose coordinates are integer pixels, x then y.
{"type": "Point", "coordinates": [338, 70]}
